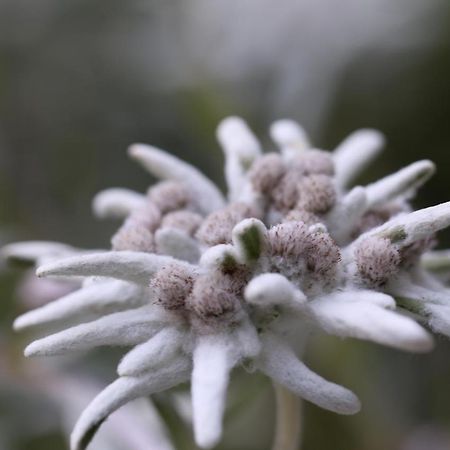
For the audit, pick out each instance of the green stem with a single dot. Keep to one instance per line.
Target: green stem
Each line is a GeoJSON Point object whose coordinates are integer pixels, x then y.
{"type": "Point", "coordinates": [287, 429]}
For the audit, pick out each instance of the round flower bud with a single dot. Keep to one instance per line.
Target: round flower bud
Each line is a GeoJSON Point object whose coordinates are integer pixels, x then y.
{"type": "Point", "coordinates": [316, 193]}
{"type": "Point", "coordinates": [377, 260]}
{"type": "Point", "coordinates": [148, 215]}
{"type": "Point", "coordinates": [172, 285]}
{"type": "Point", "coordinates": [266, 172]}
{"type": "Point", "coordinates": [133, 236]}
{"type": "Point", "coordinates": [285, 193]}
{"type": "Point", "coordinates": [169, 196]}
{"type": "Point", "coordinates": [215, 300]}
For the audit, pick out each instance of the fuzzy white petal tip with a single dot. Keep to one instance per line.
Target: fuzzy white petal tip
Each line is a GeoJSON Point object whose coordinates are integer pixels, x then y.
{"type": "Point", "coordinates": [116, 203]}
{"type": "Point", "coordinates": [288, 133]}
{"type": "Point", "coordinates": [35, 251]}
{"type": "Point", "coordinates": [364, 315]}
{"type": "Point", "coordinates": [272, 289]}
{"type": "Point", "coordinates": [355, 153]}
{"type": "Point", "coordinates": [21, 323]}
{"type": "Point", "coordinates": [404, 182]}
{"type": "Point", "coordinates": [281, 364]}
{"type": "Point", "coordinates": [235, 137]}
{"type": "Point", "coordinates": [210, 378]}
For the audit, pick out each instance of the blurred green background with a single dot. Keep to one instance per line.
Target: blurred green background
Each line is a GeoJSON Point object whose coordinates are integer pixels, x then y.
{"type": "Point", "coordinates": [80, 80]}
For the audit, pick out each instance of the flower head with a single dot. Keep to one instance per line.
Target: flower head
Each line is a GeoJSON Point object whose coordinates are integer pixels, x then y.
{"type": "Point", "coordinates": [198, 284]}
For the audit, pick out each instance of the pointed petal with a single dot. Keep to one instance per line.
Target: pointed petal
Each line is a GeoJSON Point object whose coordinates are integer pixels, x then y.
{"type": "Point", "coordinates": [250, 239]}
{"type": "Point", "coordinates": [121, 392]}
{"type": "Point", "coordinates": [124, 265]}
{"type": "Point", "coordinates": [408, 228]}
{"type": "Point", "coordinates": [281, 364]}
{"type": "Point", "coordinates": [121, 329]}
{"type": "Point", "coordinates": [35, 251]}
{"type": "Point", "coordinates": [272, 289]}
{"type": "Point", "coordinates": [116, 203]}
{"type": "Point", "coordinates": [355, 153]}
{"type": "Point", "coordinates": [162, 347]}
{"type": "Point", "coordinates": [99, 298]}
{"type": "Point", "coordinates": [403, 182]}
{"type": "Point", "coordinates": [177, 243]}
{"type": "Point", "coordinates": [213, 362]}
{"type": "Point", "coordinates": [165, 166]}
{"type": "Point", "coordinates": [368, 320]}
{"type": "Point", "coordinates": [241, 148]}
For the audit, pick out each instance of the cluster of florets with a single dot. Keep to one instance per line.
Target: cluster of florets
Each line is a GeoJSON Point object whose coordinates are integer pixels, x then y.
{"type": "Point", "coordinates": [201, 284]}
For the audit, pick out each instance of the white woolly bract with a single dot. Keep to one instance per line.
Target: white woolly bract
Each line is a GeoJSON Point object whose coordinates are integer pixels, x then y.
{"type": "Point", "coordinates": [136, 426]}
{"type": "Point", "coordinates": [290, 137]}
{"type": "Point", "coordinates": [241, 148]}
{"type": "Point", "coordinates": [213, 359]}
{"type": "Point", "coordinates": [355, 153]}
{"type": "Point", "coordinates": [403, 182]}
{"type": "Point", "coordinates": [99, 298]}
{"type": "Point", "coordinates": [406, 229]}
{"type": "Point", "coordinates": [194, 280]}
{"type": "Point", "coordinates": [343, 218]}
{"type": "Point", "coordinates": [122, 391]}
{"type": "Point", "coordinates": [165, 166]}
{"type": "Point", "coordinates": [124, 265]}
{"type": "Point", "coordinates": [162, 347]}
{"type": "Point", "coordinates": [119, 329]}
{"type": "Point", "coordinates": [116, 203]}
{"type": "Point", "coordinates": [280, 363]}
{"type": "Point", "coordinates": [177, 243]}
{"type": "Point", "coordinates": [272, 289]}
{"type": "Point", "coordinates": [36, 251]}
{"type": "Point", "coordinates": [350, 317]}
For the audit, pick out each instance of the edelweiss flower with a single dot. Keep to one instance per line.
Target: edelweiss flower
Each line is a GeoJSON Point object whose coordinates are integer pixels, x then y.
{"type": "Point", "coordinates": [198, 285]}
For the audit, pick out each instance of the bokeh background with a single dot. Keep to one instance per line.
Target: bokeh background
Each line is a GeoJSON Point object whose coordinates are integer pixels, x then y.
{"type": "Point", "coordinates": [82, 79]}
